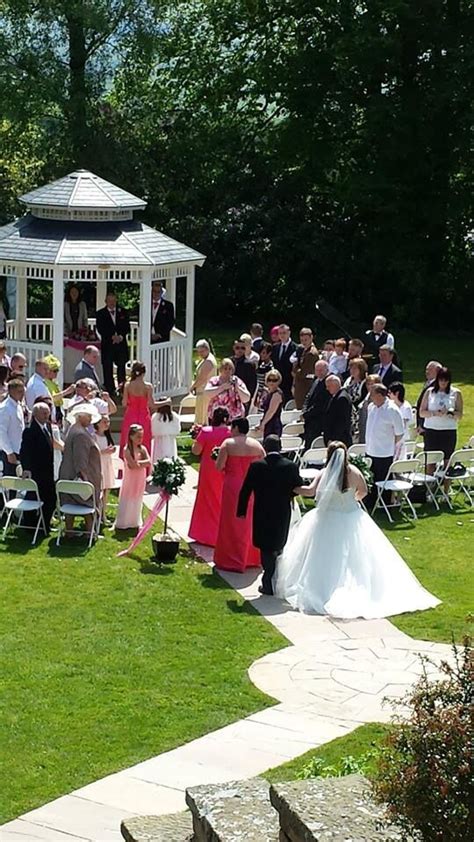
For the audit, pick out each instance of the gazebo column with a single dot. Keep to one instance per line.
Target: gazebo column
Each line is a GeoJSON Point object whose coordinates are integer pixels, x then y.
{"type": "Point", "coordinates": [171, 289]}
{"type": "Point", "coordinates": [58, 321]}
{"type": "Point", "coordinates": [144, 328]}
{"type": "Point", "coordinates": [20, 314]}
{"type": "Point", "coordinates": [190, 321]}
{"type": "Point", "coordinates": [100, 293]}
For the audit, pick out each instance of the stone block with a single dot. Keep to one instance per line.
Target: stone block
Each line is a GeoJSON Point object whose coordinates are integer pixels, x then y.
{"type": "Point", "coordinates": [233, 812]}
{"type": "Point", "coordinates": [336, 809]}
{"type": "Point", "coordinates": [177, 827]}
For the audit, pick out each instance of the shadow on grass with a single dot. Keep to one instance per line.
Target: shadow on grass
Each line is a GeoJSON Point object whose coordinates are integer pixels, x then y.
{"type": "Point", "coordinates": [153, 568]}
{"type": "Point", "coordinates": [242, 608]}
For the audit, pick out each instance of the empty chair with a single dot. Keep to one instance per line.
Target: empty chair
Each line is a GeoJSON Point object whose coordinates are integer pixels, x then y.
{"type": "Point", "coordinates": [186, 410]}
{"type": "Point", "coordinates": [254, 420]}
{"type": "Point", "coordinates": [411, 449]}
{"type": "Point", "coordinates": [289, 415]}
{"type": "Point", "coordinates": [291, 444]}
{"type": "Point", "coordinates": [318, 442]}
{"type": "Point", "coordinates": [459, 473]}
{"type": "Point", "coordinates": [85, 491]}
{"type": "Point", "coordinates": [294, 428]}
{"type": "Point", "coordinates": [399, 482]}
{"type": "Point", "coordinates": [357, 450]}
{"type": "Point", "coordinates": [290, 405]}
{"type": "Point", "coordinates": [312, 461]}
{"type": "Point", "coordinates": [422, 477]}
{"type": "Point", "coordinates": [19, 504]}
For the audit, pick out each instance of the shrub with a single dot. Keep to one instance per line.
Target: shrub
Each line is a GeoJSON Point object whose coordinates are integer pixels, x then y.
{"type": "Point", "coordinates": [425, 771]}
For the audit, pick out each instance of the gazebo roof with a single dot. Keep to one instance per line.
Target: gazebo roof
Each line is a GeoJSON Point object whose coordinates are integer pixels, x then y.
{"type": "Point", "coordinates": [118, 243]}
{"type": "Point", "coordinates": [82, 190]}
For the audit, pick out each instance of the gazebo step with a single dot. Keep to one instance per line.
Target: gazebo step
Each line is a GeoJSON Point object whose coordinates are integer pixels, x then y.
{"type": "Point", "coordinates": [177, 827]}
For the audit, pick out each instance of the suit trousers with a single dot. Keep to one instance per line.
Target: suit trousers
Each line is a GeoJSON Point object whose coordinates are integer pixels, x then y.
{"type": "Point", "coordinates": [118, 355]}
{"type": "Point", "coordinates": [268, 558]}
{"type": "Point", "coordinates": [380, 466]}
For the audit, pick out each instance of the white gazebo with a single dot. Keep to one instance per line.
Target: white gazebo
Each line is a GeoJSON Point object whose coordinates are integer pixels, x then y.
{"type": "Point", "coordinates": [82, 229]}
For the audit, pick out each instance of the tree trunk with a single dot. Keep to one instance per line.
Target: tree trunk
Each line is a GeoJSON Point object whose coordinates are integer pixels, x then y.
{"type": "Point", "coordinates": [77, 88]}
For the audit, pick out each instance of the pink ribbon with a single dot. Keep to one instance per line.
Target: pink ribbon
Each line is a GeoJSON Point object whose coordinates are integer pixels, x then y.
{"type": "Point", "coordinates": [163, 498]}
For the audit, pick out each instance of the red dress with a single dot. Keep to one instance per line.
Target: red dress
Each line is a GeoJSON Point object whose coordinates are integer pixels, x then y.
{"type": "Point", "coordinates": [136, 412]}
{"type": "Point", "coordinates": [207, 506]}
{"type": "Point", "coordinates": [234, 549]}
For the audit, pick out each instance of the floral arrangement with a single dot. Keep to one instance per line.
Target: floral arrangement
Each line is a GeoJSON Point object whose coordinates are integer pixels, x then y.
{"type": "Point", "coordinates": [195, 430]}
{"type": "Point", "coordinates": [215, 453]}
{"type": "Point", "coordinates": [361, 463]}
{"type": "Point", "coordinates": [169, 474]}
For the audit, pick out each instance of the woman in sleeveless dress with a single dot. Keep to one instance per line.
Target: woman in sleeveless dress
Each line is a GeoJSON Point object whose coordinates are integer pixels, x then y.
{"type": "Point", "coordinates": [207, 506]}
{"type": "Point", "coordinates": [337, 560]}
{"type": "Point", "coordinates": [271, 405]}
{"type": "Point", "coordinates": [205, 369]}
{"type": "Point", "coordinates": [136, 464]}
{"type": "Point", "coordinates": [234, 549]}
{"type": "Point", "coordinates": [138, 403]}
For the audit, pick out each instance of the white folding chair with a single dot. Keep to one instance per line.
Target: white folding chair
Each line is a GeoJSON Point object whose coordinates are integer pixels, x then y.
{"type": "Point", "coordinates": [357, 450]}
{"type": "Point", "coordinates": [312, 461]}
{"type": "Point", "coordinates": [290, 405]}
{"type": "Point", "coordinates": [20, 505]}
{"type": "Point", "coordinates": [461, 482]}
{"type": "Point", "coordinates": [290, 415]}
{"type": "Point", "coordinates": [291, 444]}
{"type": "Point", "coordinates": [411, 449]}
{"type": "Point", "coordinates": [294, 428]}
{"type": "Point", "coordinates": [318, 442]}
{"type": "Point", "coordinates": [430, 481]}
{"type": "Point", "coordinates": [399, 481]}
{"type": "Point", "coordinates": [254, 420]}
{"type": "Point", "coordinates": [86, 492]}
{"type": "Point", "coordinates": [186, 409]}
{"type": "Point", "coordinates": [471, 442]}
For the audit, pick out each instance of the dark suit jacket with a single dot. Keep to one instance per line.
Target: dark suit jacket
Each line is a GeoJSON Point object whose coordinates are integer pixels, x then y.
{"type": "Point", "coordinates": [420, 422]}
{"type": "Point", "coordinates": [37, 456]}
{"type": "Point", "coordinates": [392, 375]}
{"type": "Point", "coordinates": [247, 373]}
{"type": "Point", "coordinates": [106, 328]}
{"type": "Point", "coordinates": [314, 410]}
{"type": "Point", "coordinates": [83, 369]}
{"type": "Point", "coordinates": [164, 320]}
{"type": "Point", "coordinates": [284, 366]}
{"type": "Point", "coordinates": [337, 421]}
{"type": "Point", "coordinates": [271, 481]}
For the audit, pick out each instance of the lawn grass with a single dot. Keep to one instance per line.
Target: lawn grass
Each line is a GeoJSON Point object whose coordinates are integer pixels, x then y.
{"type": "Point", "coordinates": [106, 661]}
{"type": "Point", "coordinates": [359, 742]}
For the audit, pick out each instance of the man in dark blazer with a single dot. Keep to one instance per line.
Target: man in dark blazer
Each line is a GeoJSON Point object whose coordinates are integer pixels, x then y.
{"type": "Point", "coordinates": [316, 404]}
{"type": "Point", "coordinates": [113, 325]}
{"type": "Point", "coordinates": [338, 417]}
{"type": "Point", "coordinates": [37, 460]}
{"type": "Point", "coordinates": [273, 481]}
{"type": "Point", "coordinates": [87, 366]}
{"type": "Point", "coordinates": [281, 356]}
{"type": "Point", "coordinates": [162, 314]}
{"type": "Point", "coordinates": [244, 369]}
{"type": "Point", "coordinates": [386, 369]}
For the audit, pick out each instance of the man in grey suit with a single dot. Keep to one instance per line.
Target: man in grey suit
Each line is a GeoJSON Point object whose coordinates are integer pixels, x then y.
{"type": "Point", "coordinates": [86, 367]}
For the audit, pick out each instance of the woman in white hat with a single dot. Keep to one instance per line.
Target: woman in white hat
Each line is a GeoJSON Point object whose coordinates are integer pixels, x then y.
{"type": "Point", "coordinates": [81, 456]}
{"type": "Point", "coordinates": [205, 369]}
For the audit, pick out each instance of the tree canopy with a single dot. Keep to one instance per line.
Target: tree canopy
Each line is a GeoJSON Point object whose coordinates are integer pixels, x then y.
{"type": "Point", "coordinates": [307, 148]}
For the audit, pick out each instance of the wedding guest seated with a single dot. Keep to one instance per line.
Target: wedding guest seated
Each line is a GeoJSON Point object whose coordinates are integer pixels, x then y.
{"type": "Point", "coordinates": [18, 364]}
{"type": "Point", "coordinates": [4, 358]}
{"type": "Point", "coordinates": [303, 361]}
{"type": "Point", "coordinates": [378, 336]}
{"type": "Point", "coordinates": [356, 389]}
{"type": "Point", "coordinates": [207, 505]}
{"type": "Point", "coordinates": [104, 439]}
{"type": "Point", "coordinates": [228, 391]}
{"type": "Point", "coordinates": [75, 312]}
{"type": "Point", "coordinates": [81, 459]}
{"type": "Point", "coordinates": [250, 355]}
{"type": "Point", "coordinates": [37, 460]}
{"type": "Point", "coordinates": [386, 369]}
{"type": "Point", "coordinates": [328, 350]}
{"type": "Point", "coordinates": [315, 404]}
{"type": "Point", "coordinates": [338, 360]}
{"type": "Point", "coordinates": [234, 549]}
{"type": "Point", "coordinates": [205, 369]}
{"type": "Point", "coordinates": [4, 372]}
{"type": "Point", "coordinates": [338, 417]}
{"type": "Point", "coordinates": [271, 405]}
{"type": "Point", "coordinates": [256, 332]}
{"type": "Point", "coordinates": [265, 365]}
{"type": "Point", "coordinates": [136, 464]}
{"type": "Point", "coordinates": [87, 366]}
{"type": "Point", "coordinates": [36, 386]}
{"type": "Point", "coordinates": [370, 381]}
{"type": "Point", "coordinates": [441, 409]}
{"type": "Point", "coordinates": [396, 393]}
{"type": "Point", "coordinates": [165, 428]}
{"type": "Point", "coordinates": [431, 370]}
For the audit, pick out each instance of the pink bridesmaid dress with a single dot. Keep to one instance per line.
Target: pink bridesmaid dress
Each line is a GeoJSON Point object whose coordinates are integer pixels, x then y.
{"type": "Point", "coordinates": [234, 549]}
{"type": "Point", "coordinates": [136, 412]}
{"type": "Point", "coordinates": [207, 506]}
{"type": "Point", "coordinates": [129, 512]}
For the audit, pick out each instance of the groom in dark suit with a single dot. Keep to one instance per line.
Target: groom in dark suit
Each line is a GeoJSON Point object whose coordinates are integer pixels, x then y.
{"type": "Point", "coordinates": [162, 314]}
{"type": "Point", "coordinates": [273, 481]}
{"type": "Point", "coordinates": [113, 325]}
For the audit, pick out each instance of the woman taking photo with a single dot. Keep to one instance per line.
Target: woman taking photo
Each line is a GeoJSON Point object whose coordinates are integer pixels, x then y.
{"type": "Point", "coordinates": [442, 409]}
{"type": "Point", "coordinates": [207, 506]}
{"type": "Point", "coordinates": [271, 405]}
{"type": "Point", "coordinates": [228, 391]}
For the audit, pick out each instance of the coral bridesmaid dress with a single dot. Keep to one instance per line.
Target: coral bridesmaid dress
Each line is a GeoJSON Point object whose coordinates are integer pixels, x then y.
{"type": "Point", "coordinates": [136, 412]}
{"type": "Point", "coordinates": [234, 549]}
{"type": "Point", "coordinates": [129, 512]}
{"type": "Point", "coordinates": [207, 506]}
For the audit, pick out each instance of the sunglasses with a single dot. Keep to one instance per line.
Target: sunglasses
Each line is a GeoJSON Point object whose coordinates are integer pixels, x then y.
{"type": "Point", "coordinates": [273, 380]}
{"type": "Point", "coordinates": [239, 347]}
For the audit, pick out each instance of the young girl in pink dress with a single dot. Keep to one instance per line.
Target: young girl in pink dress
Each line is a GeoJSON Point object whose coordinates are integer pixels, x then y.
{"type": "Point", "coordinates": [136, 463]}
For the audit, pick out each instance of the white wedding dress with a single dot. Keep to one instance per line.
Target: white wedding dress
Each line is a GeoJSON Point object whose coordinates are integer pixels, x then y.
{"type": "Point", "coordinates": [338, 562]}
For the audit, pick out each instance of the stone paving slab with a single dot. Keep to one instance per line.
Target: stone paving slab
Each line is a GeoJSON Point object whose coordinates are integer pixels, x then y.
{"type": "Point", "coordinates": [80, 817]}
{"type": "Point", "coordinates": [20, 830]}
{"type": "Point", "coordinates": [137, 796]}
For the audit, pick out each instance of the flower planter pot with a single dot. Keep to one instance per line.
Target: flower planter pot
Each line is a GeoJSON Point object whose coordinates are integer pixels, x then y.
{"type": "Point", "coordinates": [165, 548]}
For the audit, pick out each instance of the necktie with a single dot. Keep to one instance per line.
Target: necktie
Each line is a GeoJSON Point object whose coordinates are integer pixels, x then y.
{"type": "Point", "coordinates": [282, 350]}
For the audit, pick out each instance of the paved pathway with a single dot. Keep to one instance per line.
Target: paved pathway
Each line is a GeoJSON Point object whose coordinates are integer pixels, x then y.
{"type": "Point", "coordinates": [333, 677]}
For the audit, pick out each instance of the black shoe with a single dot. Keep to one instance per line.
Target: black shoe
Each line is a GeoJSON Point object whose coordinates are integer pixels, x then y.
{"type": "Point", "coordinates": [265, 591]}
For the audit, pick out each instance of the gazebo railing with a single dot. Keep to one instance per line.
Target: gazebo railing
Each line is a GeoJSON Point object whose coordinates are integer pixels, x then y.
{"type": "Point", "coordinates": [170, 366]}
{"type": "Point", "coordinates": [31, 350]}
{"type": "Point", "coordinates": [41, 330]}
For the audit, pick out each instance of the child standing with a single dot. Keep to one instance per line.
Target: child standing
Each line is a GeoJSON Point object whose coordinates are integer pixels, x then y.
{"type": "Point", "coordinates": [165, 427]}
{"type": "Point", "coordinates": [136, 462]}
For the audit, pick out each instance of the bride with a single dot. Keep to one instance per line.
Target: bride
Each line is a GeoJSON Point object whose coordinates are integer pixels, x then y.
{"type": "Point", "coordinates": [337, 561]}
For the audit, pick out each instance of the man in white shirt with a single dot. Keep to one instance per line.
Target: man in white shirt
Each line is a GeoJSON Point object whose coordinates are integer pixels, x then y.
{"type": "Point", "coordinates": [12, 424]}
{"type": "Point", "coordinates": [36, 386]}
{"type": "Point", "coordinates": [383, 435]}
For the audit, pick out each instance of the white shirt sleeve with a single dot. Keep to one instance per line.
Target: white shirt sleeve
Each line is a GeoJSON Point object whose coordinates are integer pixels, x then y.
{"type": "Point", "coordinates": [398, 425]}
{"type": "Point", "coordinates": [390, 340]}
